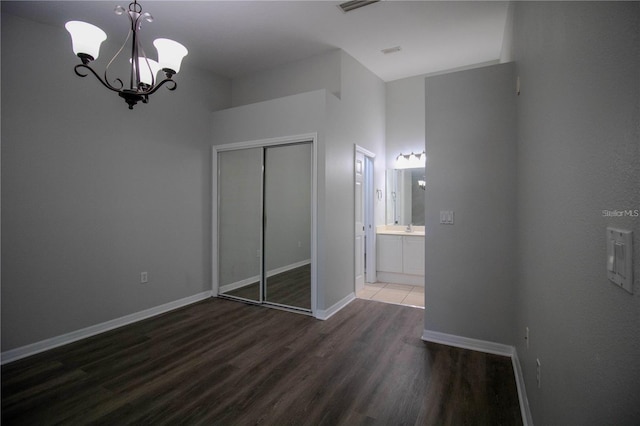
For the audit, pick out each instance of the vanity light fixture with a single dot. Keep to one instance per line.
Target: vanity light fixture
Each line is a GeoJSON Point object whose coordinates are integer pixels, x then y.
{"type": "Point", "coordinates": [411, 161]}
{"type": "Point", "coordinates": [86, 39]}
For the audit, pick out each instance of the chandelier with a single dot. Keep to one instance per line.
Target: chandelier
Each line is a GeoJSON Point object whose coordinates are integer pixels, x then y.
{"type": "Point", "coordinates": [86, 39]}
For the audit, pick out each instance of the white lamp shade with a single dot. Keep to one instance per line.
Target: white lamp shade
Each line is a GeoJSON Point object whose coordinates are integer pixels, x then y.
{"type": "Point", "coordinates": [170, 53]}
{"type": "Point", "coordinates": [85, 38]}
{"type": "Point", "coordinates": [401, 162]}
{"type": "Point", "coordinates": [148, 70]}
{"type": "Point", "coordinates": [414, 161]}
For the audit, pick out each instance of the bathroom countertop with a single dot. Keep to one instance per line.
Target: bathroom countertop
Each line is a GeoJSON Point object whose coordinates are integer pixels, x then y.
{"type": "Point", "coordinates": [418, 231]}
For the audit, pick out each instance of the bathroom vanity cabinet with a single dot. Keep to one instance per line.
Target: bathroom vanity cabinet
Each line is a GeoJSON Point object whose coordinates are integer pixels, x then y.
{"type": "Point", "coordinates": [400, 258]}
{"type": "Point", "coordinates": [413, 255]}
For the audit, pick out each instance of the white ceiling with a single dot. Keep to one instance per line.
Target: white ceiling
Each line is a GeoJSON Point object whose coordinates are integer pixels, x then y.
{"type": "Point", "coordinates": [235, 38]}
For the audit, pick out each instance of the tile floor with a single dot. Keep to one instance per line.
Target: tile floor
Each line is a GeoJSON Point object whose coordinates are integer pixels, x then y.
{"type": "Point", "coordinates": [400, 294]}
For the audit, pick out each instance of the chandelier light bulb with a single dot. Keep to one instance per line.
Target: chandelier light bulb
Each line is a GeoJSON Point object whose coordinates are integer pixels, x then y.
{"type": "Point", "coordinates": [148, 70]}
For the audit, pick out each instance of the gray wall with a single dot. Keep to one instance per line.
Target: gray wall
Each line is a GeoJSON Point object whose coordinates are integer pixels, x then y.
{"type": "Point", "coordinates": [357, 117]}
{"type": "Point", "coordinates": [470, 145]}
{"type": "Point", "coordinates": [578, 154]}
{"type": "Point", "coordinates": [288, 116]}
{"type": "Point", "coordinates": [405, 106]}
{"type": "Point", "coordinates": [314, 73]}
{"type": "Point", "coordinates": [404, 118]}
{"type": "Point", "coordinates": [93, 193]}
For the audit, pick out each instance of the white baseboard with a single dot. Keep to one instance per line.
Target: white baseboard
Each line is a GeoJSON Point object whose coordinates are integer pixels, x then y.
{"type": "Point", "coordinates": [252, 280]}
{"type": "Point", "coordinates": [467, 343]}
{"type": "Point", "coordinates": [527, 420]}
{"type": "Point", "coordinates": [396, 278]}
{"type": "Point", "coordinates": [328, 313]}
{"type": "Point", "coordinates": [54, 342]}
{"type": "Point", "coordinates": [492, 348]}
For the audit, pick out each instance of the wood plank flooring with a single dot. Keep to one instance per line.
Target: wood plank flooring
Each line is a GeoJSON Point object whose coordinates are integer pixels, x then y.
{"type": "Point", "coordinates": [229, 363]}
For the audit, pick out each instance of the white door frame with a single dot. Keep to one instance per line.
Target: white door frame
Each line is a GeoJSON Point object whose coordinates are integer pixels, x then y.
{"type": "Point", "coordinates": [370, 231]}
{"type": "Point", "coordinates": [360, 220]}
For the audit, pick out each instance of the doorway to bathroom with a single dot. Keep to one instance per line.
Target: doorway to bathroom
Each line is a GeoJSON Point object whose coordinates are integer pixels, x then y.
{"type": "Point", "coordinates": [365, 252]}
{"type": "Point", "coordinates": [264, 217]}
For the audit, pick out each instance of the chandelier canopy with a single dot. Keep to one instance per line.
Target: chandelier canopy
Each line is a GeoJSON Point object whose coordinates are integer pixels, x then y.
{"type": "Point", "coordinates": [87, 38]}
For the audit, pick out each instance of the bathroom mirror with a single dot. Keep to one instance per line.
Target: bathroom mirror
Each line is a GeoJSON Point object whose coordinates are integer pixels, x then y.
{"type": "Point", "coordinates": [405, 196]}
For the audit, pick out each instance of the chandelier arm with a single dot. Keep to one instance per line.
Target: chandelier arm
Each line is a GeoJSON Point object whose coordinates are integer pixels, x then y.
{"type": "Point", "coordinates": [135, 66]}
{"type": "Point", "coordinates": [172, 83]}
{"type": "Point", "coordinates": [137, 17]}
{"type": "Point", "coordinates": [106, 70]}
{"type": "Point", "coordinates": [105, 83]}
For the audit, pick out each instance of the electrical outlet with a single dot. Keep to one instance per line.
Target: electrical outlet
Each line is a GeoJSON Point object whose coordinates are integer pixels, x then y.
{"type": "Point", "coordinates": [144, 277]}
{"type": "Point", "coordinates": [526, 336]}
{"type": "Point", "coordinates": [538, 371]}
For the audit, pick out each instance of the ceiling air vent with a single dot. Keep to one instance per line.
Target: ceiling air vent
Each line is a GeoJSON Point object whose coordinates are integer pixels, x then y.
{"type": "Point", "coordinates": [355, 4]}
{"type": "Point", "coordinates": [391, 50]}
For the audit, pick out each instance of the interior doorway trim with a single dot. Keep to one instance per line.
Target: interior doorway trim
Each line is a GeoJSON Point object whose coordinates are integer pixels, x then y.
{"type": "Point", "coordinates": [261, 143]}
{"type": "Point", "coordinates": [369, 211]}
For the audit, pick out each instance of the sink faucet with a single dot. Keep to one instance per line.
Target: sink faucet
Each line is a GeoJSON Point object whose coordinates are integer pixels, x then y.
{"type": "Point", "coordinates": [409, 228]}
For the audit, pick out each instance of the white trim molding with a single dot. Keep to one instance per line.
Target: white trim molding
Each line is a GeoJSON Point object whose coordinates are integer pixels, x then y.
{"type": "Point", "coordinates": [467, 343]}
{"type": "Point", "coordinates": [305, 137]}
{"type": "Point", "coordinates": [398, 278]}
{"type": "Point", "coordinates": [54, 342]}
{"type": "Point", "coordinates": [491, 348]}
{"type": "Point", "coordinates": [527, 420]}
{"type": "Point", "coordinates": [324, 314]}
{"type": "Point", "coordinates": [365, 151]}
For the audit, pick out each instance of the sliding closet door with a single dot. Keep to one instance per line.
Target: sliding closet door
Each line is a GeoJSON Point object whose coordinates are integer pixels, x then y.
{"type": "Point", "coordinates": [287, 225]}
{"type": "Point", "coordinates": [240, 223]}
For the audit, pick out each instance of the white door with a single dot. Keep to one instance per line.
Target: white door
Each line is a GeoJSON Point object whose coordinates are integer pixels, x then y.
{"type": "Point", "coordinates": [359, 221]}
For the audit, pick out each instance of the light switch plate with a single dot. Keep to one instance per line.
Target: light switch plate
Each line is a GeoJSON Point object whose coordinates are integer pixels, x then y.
{"type": "Point", "coordinates": [446, 217]}
{"type": "Point", "coordinates": [620, 258]}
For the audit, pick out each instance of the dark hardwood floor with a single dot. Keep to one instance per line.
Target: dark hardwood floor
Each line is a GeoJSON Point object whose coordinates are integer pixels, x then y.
{"type": "Point", "coordinates": [229, 363]}
{"type": "Point", "coordinates": [290, 288]}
